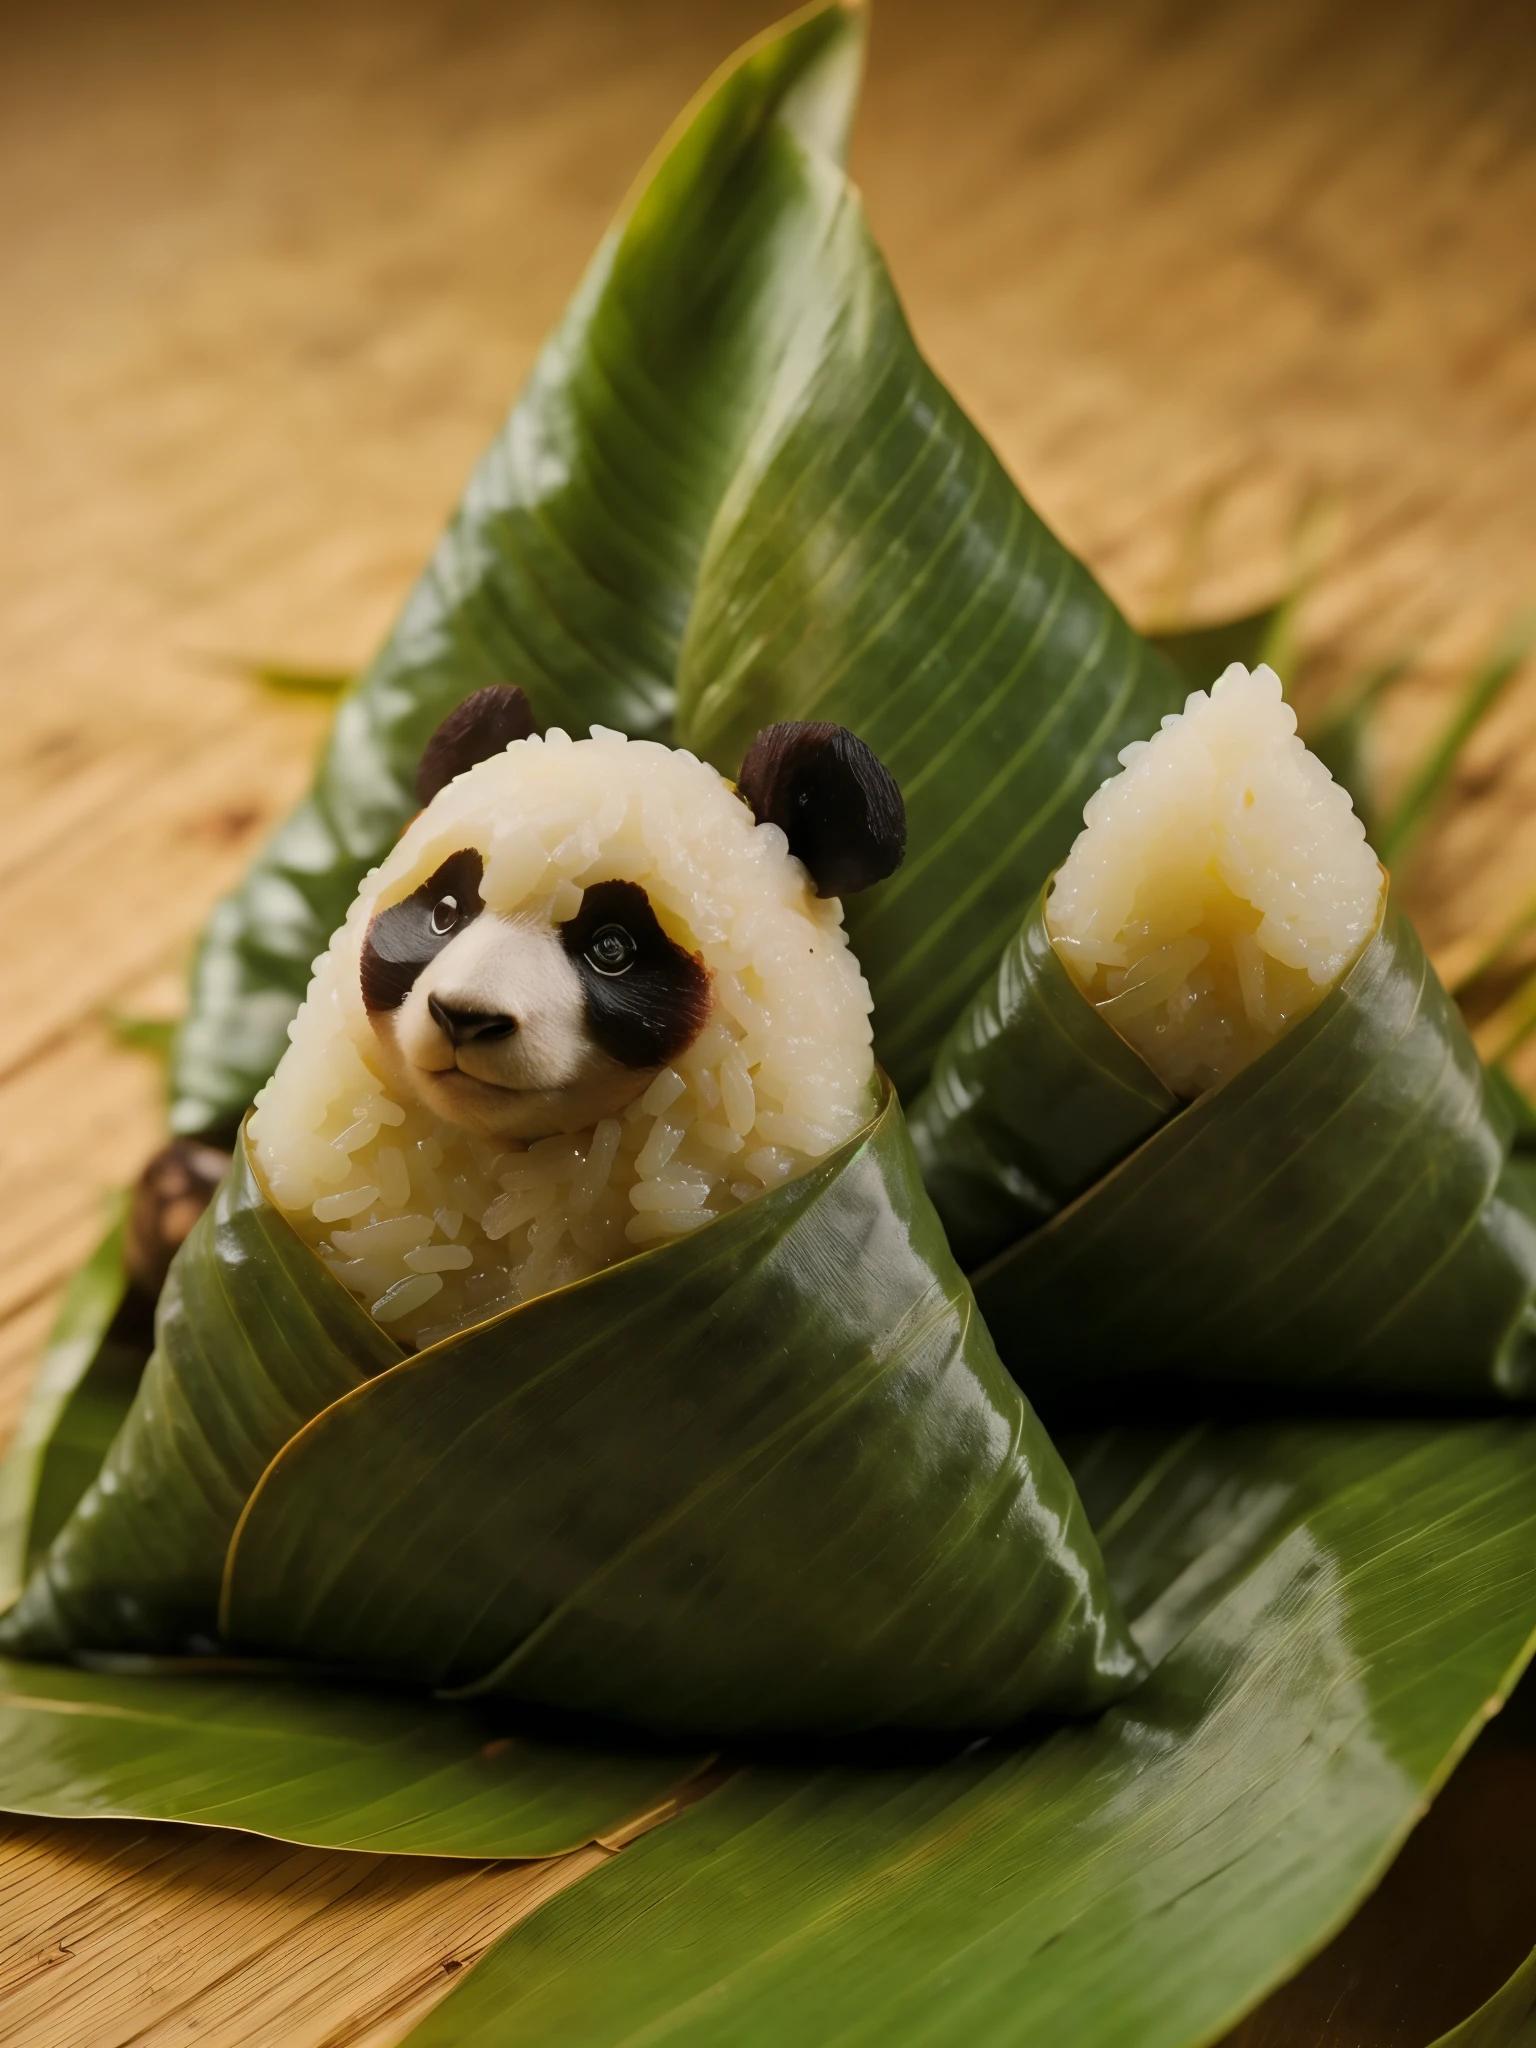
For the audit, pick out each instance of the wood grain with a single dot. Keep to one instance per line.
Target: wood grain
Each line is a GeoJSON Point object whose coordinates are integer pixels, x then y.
{"type": "Point", "coordinates": [270, 277]}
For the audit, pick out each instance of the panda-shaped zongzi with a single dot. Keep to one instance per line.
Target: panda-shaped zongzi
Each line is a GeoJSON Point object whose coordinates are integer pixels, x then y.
{"type": "Point", "coordinates": [595, 997]}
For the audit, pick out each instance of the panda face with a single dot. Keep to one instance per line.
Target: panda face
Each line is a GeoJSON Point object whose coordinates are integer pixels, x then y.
{"type": "Point", "coordinates": [517, 1027]}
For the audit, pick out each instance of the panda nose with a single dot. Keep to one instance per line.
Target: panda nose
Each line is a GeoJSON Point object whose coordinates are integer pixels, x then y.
{"type": "Point", "coordinates": [470, 1027]}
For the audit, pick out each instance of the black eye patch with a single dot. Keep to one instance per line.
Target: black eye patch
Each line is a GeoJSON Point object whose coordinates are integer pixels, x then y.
{"type": "Point", "coordinates": [647, 1000]}
{"type": "Point", "coordinates": [404, 939]}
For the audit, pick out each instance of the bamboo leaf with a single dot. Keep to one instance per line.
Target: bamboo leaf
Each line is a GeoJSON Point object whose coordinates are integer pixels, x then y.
{"type": "Point", "coordinates": [872, 564]}
{"type": "Point", "coordinates": [310, 1763]}
{"type": "Point", "coordinates": [569, 565]}
{"type": "Point", "coordinates": [84, 1384]}
{"type": "Point", "coordinates": [732, 487]}
{"type": "Point", "coordinates": [1446, 1927]}
{"type": "Point", "coordinates": [1340, 1218]}
{"type": "Point", "coordinates": [1033, 1099]}
{"type": "Point", "coordinates": [1333, 1609]}
{"type": "Point", "coordinates": [799, 1545]}
{"type": "Point", "coordinates": [769, 1476]}
{"type": "Point", "coordinates": [253, 1338]}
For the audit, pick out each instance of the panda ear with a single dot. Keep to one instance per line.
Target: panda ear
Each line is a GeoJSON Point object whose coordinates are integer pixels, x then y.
{"type": "Point", "coordinates": [835, 802]}
{"type": "Point", "coordinates": [484, 724]}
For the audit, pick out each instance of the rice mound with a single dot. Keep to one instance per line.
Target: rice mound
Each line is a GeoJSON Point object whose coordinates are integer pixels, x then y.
{"type": "Point", "coordinates": [1221, 886]}
{"type": "Point", "coordinates": [434, 1228]}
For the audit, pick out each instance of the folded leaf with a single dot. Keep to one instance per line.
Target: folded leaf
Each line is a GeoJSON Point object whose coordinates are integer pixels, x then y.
{"type": "Point", "coordinates": [731, 431]}
{"type": "Point", "coordinates": [873, 564]}
{"type": "Point", "coordinates": [1342, 1216]}
{"type": "Point", "coordinates": [1333, 1610]}
{"type": "Point", "coordinates": [309, 1763]}
{"type": "Point", "coordinates": [253, 1338]}
{"type": "Point", "coordinates": [771, 1476]}
{"type": "Point", "coordinates": [84, 1386]}
{"type": "Point", "coordinates": [1033, 1098]}
{"type": "Point", "coordinates": [569, 565]}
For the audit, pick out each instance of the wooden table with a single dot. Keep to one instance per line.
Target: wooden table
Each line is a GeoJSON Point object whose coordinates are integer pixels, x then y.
{"type": "Point", "coordinates": [270, 276]}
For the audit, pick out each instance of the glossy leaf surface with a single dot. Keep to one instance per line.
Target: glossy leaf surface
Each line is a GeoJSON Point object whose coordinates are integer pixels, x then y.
{"type": "Point", "coordinates": [1340, 1217]}
{"type": "Point", "coordinates": [874, 565]}
{"type": "Point", "coordinates": [85, 1383]}
{"type": "Point", "coordinates": [769, 1477]}
{"type": "Point", "coordinates": [731, 432]}
{"type": "Point", "coordinates": [253, 1337]}
{"type": "Point", "coordinates": [569, 565]}
{"type": "Point", "coordinates": [1032, 1099]}
{"type": "Point", "coordinates": [1449, 1926]}
{"type": "Point", "coordinates": [309, 1763]}
{"type": "Point", "coordinates": [1332, 1608]}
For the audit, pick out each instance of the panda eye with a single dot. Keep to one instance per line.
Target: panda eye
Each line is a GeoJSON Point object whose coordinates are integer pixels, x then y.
{"type": "Point", "coordinates": [611, 950]}
{"type": "Point", "coordinates": [445, 914]}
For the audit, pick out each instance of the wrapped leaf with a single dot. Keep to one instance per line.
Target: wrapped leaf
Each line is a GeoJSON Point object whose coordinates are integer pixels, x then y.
{"type": "Point", "coordinates": [1332, 1611]}
{"type": "Point", "coordinates": [1342, 1216]}
{"type": "Point", "coordinates": [730, 432]}
{"type": "Point", "coordinates": [873, 564]}
{"type": "Point", "coordinates": [770, 1476]}
{"type": "Point", "coordinates": [85, 1383]}
{"type": "Point", "coordinates": [569, 565]}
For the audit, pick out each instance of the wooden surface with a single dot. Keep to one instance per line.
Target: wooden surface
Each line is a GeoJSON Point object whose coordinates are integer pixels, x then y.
{"type": "Point", "coordinates": [270, 276]}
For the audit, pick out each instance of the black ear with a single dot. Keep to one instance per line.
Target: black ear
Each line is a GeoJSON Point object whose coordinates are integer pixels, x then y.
{"type": "Point", "coordinates": [484, 724]}
{"type": "Point", "coordinates": [835, 802]}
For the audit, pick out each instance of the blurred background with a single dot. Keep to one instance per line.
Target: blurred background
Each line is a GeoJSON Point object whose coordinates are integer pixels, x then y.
{"type": "Point", "coordinates": [1245, 295]}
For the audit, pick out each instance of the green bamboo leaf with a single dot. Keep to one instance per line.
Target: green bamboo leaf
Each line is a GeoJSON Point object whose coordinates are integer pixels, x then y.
{"type": "Point", "coordinates": [873, 564]}
{"type": "Point", "coordinates": [731, 432]}
{"type": "Point", "coordinates": [1339, 1217]}
{"type": "Point", "coordinates": [569, 565]}
{"type": "Point", "coordinates": [1446, 1927]}
{"type": "Point", "coordinates": [1333, 1610]}
{"type": "Point", "coordinates": [743, 1481]}
{"type": "Point", "coordinates": [1033, 1099]}
{"type": "Point", "coordinates": [310, 1763]}
{"type": "Point", "coordinates": [1400, 829]}
{"type": "Point", "coordinates": [769, 1476]}
{"type": "Point", "coordinates": [253, 1338]}
{"type": "Point", "coordinates": [84, 1385]}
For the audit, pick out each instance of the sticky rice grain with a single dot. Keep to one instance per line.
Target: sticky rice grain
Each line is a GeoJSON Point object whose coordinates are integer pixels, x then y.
{"type": "Point", "coordinates": [1222, 885]}
{"type": "Point", "coordinates": [782, 1072]}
